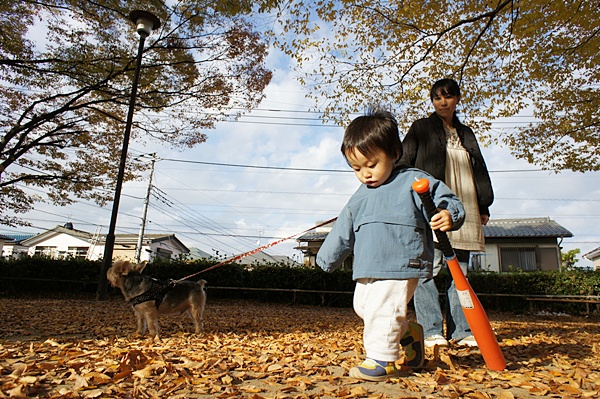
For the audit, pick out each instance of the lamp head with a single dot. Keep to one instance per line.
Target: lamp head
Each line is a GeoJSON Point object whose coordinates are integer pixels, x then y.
{"type": "Point", "coordinates": [146, 22]}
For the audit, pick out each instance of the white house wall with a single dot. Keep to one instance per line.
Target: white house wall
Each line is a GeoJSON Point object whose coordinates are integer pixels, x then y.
{"type": "Point", "coordinates": [490, 261]}
{"type": "Point", "coordinates": [61, 242]}
{"type": "Point", "coordinates": [96, 253]}
{"type": "Point", "coordinates": [10, 250]}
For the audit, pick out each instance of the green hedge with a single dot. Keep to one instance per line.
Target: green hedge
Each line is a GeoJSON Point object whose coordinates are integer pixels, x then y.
{"type": "Point", "coordinates": [43, 275]}
{"type": "Point", "coordinates": [270, 276]}
{"type": "Point", "coordinates": [572, 282]}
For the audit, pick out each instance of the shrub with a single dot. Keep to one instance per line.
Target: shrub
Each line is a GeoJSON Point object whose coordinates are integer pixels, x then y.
{"type": "Point", "coordinates": [263, 282]}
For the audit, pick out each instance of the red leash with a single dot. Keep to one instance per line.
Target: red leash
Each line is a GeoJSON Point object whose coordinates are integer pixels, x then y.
{"type": "Point", "coordinates": [252, 252]}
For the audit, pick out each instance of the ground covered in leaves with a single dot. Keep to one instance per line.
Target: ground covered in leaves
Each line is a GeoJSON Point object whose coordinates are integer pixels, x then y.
{"type": "Point", "coordinates": [82, 348]}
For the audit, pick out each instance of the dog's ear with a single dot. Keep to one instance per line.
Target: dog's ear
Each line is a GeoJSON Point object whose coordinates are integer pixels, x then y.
{"type": "Point", "coordinates": [139, 267]}
{"type": "Point", "coordinates": [122, 267]}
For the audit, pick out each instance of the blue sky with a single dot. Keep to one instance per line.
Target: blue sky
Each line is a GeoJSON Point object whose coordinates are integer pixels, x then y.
{"type": "Point", "coordinates": [233, 209]}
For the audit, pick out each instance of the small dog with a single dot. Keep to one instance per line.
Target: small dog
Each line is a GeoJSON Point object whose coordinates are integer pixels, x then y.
{"type": "Point", "coordinates": [150, 297]}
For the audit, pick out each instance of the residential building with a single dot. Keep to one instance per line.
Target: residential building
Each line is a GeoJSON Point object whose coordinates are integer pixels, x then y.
{"type": "Point", "coordinates": [66, 241]}
{"type": "Point", "coordinates": [528, 244]}
{"type": "Point", "coordinates": [13, 247]}
{"type": "Point", "coordinates": [594, 257]}
{"type": "Point", "coordinates": [311, 241]}
{"type": "Point", "coordinates": [3, 239]}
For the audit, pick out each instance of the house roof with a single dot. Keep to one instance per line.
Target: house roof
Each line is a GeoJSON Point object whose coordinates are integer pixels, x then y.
{"type": "Point", "coordinates": [313, 236]}
{"type": "Point", "coordinates": [84, 235]}
{"type": "Point", "coordinates": [17, 237]}
{"type": "Point", "coordinates": [593, 254]}
{"type": "Point", "coordinates": [525, 228]}
{"type": "Point", "coordinates": [496, 228]}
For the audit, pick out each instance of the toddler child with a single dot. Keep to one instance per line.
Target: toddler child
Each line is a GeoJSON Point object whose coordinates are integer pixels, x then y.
{"type": "Point", "coordinates": [386, 227]}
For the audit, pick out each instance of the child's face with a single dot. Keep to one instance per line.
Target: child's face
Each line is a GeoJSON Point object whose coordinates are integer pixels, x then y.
{"type": "Point", "coordinates": [372, 171]}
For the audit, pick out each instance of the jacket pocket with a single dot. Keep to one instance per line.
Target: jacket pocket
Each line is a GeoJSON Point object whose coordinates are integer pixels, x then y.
{"type": "Point", "coordinates": [399, 220]}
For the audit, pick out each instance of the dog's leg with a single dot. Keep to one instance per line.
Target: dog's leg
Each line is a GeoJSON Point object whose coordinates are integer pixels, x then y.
{"type": "Point", "coordinates": [148, 318]}
{"type": "Point", "coordinates": [198, 310]}
{"type": "Point", "coordinates": [141, 322]}
{"type": "Point", "coordinates": [196, 313]}
{"type": "Point", "coordinates": [152, 320]}
{"type": "Point", "coordinates": [196, 318]}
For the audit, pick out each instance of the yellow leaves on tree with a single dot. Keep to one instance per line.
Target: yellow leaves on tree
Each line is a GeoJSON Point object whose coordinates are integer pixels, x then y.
{"type": "Point", "coordinates": [538, 58]}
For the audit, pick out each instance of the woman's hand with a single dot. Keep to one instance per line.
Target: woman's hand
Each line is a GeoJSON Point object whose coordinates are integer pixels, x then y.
{"type": "Point", "coordinates": [485, 219]}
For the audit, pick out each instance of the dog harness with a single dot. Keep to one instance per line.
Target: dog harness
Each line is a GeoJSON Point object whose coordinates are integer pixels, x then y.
{"type": "Point", "coordinates": [157, 291]}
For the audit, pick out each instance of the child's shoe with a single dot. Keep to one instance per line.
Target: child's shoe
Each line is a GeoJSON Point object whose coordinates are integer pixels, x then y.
{"type": "Point", "coordinates": [414, 348]}
{"type": "Point", "coordinates": [374, 370]}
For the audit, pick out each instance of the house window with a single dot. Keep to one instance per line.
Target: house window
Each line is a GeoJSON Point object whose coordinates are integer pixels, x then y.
{"type": "Point", "coordinates": [162, 253]}
{"type": "Point", "coordinates": [45, 251]}
{"type": "Point", "coordinates": [77, 252]}
{"type": "Point", "coordinates": [518, 258]}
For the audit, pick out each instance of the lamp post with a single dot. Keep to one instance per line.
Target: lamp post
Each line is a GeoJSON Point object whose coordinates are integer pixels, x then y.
{"type": "Point", "coordinates": [145, 23]}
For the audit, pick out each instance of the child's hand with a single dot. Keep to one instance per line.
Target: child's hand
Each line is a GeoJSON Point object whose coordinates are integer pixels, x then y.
{"type": "Point", "coordinates": [441, 221]}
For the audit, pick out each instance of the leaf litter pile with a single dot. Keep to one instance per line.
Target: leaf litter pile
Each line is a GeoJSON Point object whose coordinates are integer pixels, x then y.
{"type": "Point", "coordinates": [83, 348]}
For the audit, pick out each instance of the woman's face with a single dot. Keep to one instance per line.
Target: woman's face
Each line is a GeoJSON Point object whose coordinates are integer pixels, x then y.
{"type": "Point", "coordinates": [445, 105]}
{"type": "Point", "coordinates": [372, 171]}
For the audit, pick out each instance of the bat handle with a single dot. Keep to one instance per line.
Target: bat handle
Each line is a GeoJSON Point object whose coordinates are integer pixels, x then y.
{"type": "Point", "coordinates": [421, 187]}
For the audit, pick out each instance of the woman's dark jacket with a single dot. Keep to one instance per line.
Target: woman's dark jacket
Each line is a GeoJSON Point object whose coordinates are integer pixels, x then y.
{"type": "Point", "coordinates": [424, 147]}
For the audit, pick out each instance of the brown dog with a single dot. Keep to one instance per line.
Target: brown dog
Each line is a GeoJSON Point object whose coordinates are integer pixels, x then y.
{"type": "Point", "coordinates": [151, 297]}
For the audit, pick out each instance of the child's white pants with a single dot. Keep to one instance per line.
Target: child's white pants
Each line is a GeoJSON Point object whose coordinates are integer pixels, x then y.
{"type": "Point", "coordinates": [382, 304]}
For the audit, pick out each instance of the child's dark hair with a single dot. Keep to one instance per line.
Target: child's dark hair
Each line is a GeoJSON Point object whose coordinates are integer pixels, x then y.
{"type": "Point", "coordinates": [444, 87]}
{"type": "Point", "coordinates": [372, 133]}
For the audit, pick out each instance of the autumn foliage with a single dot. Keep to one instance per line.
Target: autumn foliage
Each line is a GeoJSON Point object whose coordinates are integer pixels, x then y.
{"type": "Point", "coordinates": [535, 59]}
{"type": "Point", "coordinates": [67, 72]}
{"type": "Point", "coordinates": [80, 348]}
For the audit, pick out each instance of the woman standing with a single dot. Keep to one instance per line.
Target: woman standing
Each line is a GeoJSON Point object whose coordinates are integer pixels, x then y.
{"type": "Point", "coordinates": [442, 146]}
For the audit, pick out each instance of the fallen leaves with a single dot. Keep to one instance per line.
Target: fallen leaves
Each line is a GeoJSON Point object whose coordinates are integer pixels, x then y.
{"type": "Point", "coordinates": [80, 348]}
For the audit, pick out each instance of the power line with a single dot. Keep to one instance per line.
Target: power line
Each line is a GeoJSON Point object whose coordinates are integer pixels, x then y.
{"type": "Point", "coordinates": [318, 170]}
{"type": "Point", "coordinates": [202, 229]}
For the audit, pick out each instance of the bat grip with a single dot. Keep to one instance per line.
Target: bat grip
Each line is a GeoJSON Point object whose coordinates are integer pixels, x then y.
{"type": "Point", "coordinates": [431, 210]}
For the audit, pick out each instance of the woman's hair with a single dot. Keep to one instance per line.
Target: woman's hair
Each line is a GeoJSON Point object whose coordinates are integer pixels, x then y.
{"type": "Point", "coordinates": [376, 131]}
{"type": "Point", "coordinates": [444, 87]}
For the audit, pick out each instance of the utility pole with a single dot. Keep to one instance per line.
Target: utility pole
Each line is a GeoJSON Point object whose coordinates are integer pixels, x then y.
{"type": "Point", "coordinates": [138, 252]}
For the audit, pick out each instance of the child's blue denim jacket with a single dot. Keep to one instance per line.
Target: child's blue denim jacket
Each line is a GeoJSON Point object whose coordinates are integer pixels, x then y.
{"type": "Point", "coordinates": [387, 229]}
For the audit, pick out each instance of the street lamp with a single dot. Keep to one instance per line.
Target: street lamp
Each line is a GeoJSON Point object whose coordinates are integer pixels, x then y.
{"type": "Point", "coordinates": [145, 23]}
